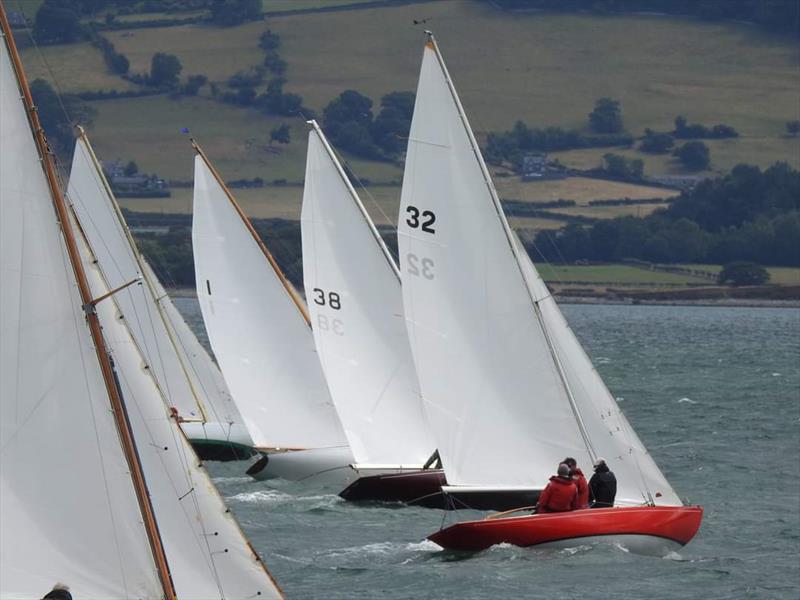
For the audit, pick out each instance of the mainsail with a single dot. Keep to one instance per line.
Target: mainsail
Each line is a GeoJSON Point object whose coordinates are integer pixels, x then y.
{"type": "Point", "coordinates": [260, 337]}
{"type": "Point", "coordinates": [98, 487]}
{"type": "Point", "coordinates": [68, 509]}
{"type": "Point", "coordinates": [510, 391]}
{"type": "Point", "coordinates": [353, 292]}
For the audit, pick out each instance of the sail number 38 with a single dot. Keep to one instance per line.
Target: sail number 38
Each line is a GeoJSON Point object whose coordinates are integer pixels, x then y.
{"type": "Point", "coordinates": [331, 299]}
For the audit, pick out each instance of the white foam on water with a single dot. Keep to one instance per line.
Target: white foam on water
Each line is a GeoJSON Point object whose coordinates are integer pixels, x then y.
{"type": "Point", "coordinates": [687, 401]}
{"type": "Point", "coordinates": [224, 480]}
{"type": "Point", "coordinates": [776, 375]}
{"type": "Point", "coordinates": [672, 555]}
{"type": "Point", "coordinates": [423, 546]}
{"type": "Point", "coordinates": [266, 497]}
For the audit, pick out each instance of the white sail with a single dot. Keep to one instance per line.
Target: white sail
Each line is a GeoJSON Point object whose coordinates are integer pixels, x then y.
{"type": "Point", "coordinates": [203, 372]}
{"type": "Point", "coordinates": [68, 510]}
{"type": "Point", "coordinates": [610, 434]}
{"type": "Point", "coordinates": [262, 342]}
{"type": "Point", "coordinates": [206, 551]}
{"type": "Point", "coordinates": [507, 379]}
{"type": "Point", "coordinates": [119, 263]}
{"type": "Point", "coordinates": [355, 302]}
{"type": "Point", "coordinates": [496, 402]}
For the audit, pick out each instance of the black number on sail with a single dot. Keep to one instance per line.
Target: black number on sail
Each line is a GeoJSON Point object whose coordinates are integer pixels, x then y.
{"type": "Point", "coordinates": [418, 267]}
{"type": "Point", "coordinates": [413, 220]}
{"type": "Point", "coordinates": [333, 299]}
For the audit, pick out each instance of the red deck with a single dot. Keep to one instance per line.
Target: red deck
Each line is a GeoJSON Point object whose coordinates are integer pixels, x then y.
{"type": "Point", "coordinates": [678, 524]}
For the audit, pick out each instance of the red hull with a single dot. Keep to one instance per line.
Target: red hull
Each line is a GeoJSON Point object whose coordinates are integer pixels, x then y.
{"type": "Point", "coordinates": [677, 524]}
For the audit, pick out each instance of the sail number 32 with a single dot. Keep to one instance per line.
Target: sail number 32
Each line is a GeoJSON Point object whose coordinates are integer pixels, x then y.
{"type": "Point", "coordinates": [425, 223]}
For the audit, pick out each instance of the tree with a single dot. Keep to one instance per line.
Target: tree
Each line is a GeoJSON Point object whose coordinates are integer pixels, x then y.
{"type": "Point", "coordinates": [56, 24]}
{"type": "Point", "coordinates": [793, 128]}
{"type": "Point", "coordinates": [656, 143]}
{"type": "Point", "coordinates": [392, 124]}
{"type": "Point", "coordinates": [233, 12]}
{"type": "Point", "coordinates": [606, 116]}
{"type": "Point", "coordinates": [695, 156]}
{"type": "Point", "coordinates": [743, 273]}
{"type": "Point", "coordinates": [193, 84]}
{"type": "Point", "coordinates": [622, 168]}
{"type": "Point", "coordinates": [165, 70]}
{"type": "Point", "coordinates": [131, 169]}
{"type": "Point", "coordinates": [280, 134]}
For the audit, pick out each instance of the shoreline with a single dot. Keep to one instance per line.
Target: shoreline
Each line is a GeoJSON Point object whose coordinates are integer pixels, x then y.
{"type": "Point", "coordinates": [626, 301]}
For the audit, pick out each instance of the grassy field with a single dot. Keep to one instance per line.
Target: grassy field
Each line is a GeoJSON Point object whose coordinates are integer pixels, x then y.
{"type": "Point", "coordinates": [274, 5]}
{"type": "Point", "coordinates": [779, 275]}
{"type": "Point", "coordinates": [613, 274]}
{"type": "Point", "coordinates": [546, 69]}
{"type": "Point", "coordinates": [72, 68]}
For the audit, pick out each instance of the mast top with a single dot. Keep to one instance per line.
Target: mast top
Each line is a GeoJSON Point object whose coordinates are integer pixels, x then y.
{"type": "Point", "coordinates": [430, 42]}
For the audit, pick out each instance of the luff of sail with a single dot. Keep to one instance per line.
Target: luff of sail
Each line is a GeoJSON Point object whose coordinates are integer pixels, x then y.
{"type": "Point", "coordinates": [68, 505]}
{"type": "Point", "coordinates": [481, 320]}
{"type": "Point", "coordinates": [261, 339]}
{"type": "Point", "coordinates": [354, 299]}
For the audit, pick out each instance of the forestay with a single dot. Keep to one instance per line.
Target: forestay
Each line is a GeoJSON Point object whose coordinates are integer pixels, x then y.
{"type": "Point", "coordinates": [68, 510]}
{"type": "Point", "coordinates": [354, 299]}
{"type": "Point", "coordinates": [206, 551]}
{"type": "Point", "coordinates": [262, 342]}
{"type": "Point", "coordinates": [119, 262]}
{"type": "Point", "coordinates": [512, 391]}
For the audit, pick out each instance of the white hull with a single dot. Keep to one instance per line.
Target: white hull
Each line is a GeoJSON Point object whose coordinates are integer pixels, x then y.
{"type": "Point", "coordinates": [319, 466]}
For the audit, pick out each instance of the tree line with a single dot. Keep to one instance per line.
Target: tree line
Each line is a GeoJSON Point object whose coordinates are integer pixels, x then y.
{"type": "Point", "coordinates": [747, 215]}
{"type": "Point", "coordinates": [780, 16]}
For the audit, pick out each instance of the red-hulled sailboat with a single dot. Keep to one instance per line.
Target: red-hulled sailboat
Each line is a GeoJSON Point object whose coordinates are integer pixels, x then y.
{"type": "Point", "coordinates": [509, 390]}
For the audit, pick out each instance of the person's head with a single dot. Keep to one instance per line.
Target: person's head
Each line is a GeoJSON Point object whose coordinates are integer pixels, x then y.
{"type": "Point", "coordinates": [571, 463]}
{"type": "Point", "coordinates": [563, 470]}
{"type": "Point", "coordinates": [59, 592]}
{"type": "Point", "coordinates": [600, 464]}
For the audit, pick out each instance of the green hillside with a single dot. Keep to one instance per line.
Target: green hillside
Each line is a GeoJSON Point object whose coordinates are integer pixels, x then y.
{"type": "Point", "coordinates": [546, 69]}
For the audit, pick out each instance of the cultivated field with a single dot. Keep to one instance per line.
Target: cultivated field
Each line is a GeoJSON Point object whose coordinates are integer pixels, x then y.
{"type": "Point", "coordinates": [546, 69]}
{"type": "Point", "coordinates": [612, 274]}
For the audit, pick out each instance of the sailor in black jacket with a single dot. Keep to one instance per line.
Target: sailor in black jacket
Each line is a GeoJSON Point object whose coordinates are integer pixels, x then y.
{"type": "Point", "coordinates": [602, 485]}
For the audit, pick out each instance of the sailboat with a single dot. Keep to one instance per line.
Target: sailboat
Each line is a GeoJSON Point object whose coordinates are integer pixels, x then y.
{"type": "Point", "coordinates": [510, 391]}
{"type": "Point", "coordinates": [259, 331]}
{"type": "Point", "coordinates": [192, 384]}
{"type": "Point", "coordinates": [353, 290]}
{"type": "Point", "coordinates": [99, 488]}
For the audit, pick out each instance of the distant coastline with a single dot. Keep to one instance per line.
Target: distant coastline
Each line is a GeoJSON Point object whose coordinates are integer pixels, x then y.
{"type": "Point", "coordinates": [183, 292]}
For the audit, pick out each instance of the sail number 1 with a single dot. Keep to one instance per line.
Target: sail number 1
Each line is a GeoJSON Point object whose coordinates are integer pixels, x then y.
{"type": "Point", "coordinates": [425, 224]}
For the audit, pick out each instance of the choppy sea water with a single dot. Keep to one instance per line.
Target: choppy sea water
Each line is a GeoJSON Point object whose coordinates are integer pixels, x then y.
{"type": "Point", "coordinates": [714, 393]}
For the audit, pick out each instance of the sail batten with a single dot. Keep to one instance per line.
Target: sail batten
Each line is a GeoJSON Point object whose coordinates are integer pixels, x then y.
{"type": "Point", "coordinates": [355, 302]}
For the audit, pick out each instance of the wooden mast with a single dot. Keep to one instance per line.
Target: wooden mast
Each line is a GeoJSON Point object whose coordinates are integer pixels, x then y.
{"type": "Point", "coordinates": [298, 302]}
{"type": "Point", "coordinates": [117, 403]}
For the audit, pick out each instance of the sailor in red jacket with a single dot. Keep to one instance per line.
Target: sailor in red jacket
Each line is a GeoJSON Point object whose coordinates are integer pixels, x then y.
{"type": "Point", "coordinates": [580, 482]}
{"type": "Point", "coordinates": [560, 495]}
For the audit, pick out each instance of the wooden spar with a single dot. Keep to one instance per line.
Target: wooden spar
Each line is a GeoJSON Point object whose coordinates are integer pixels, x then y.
{"type": "Point", "coordinates": [354, 196]}
{"type": "Point", "coordinates": [117, 403]}
{"type": "Point", "coordinates": [138, 258]}
{"type": "Point", "coordinates": [298, 302]}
